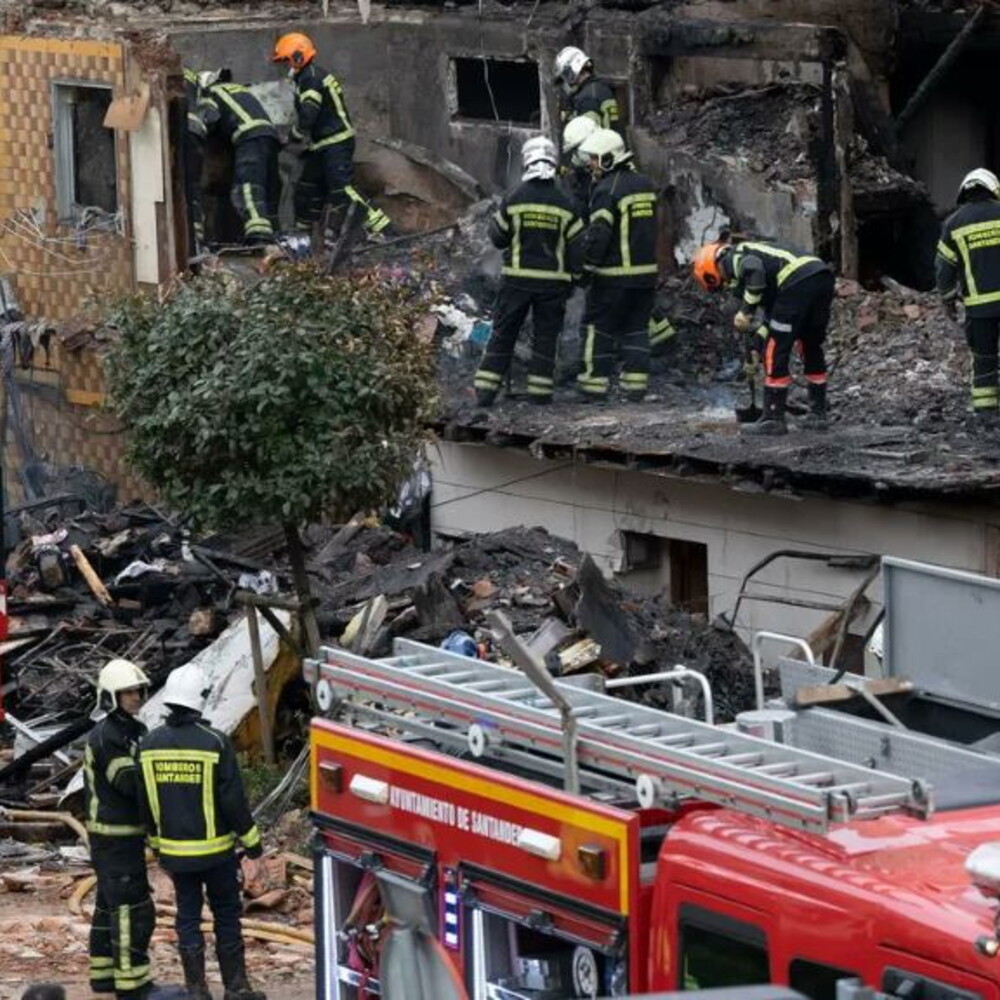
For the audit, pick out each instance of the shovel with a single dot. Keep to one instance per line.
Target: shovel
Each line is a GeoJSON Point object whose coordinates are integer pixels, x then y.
{"type": "Point", "coordinates": [752, 413]}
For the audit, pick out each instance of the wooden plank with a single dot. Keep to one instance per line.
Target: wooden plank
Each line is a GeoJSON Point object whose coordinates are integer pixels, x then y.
{"type": "Point", "coordinates": [824, 694]}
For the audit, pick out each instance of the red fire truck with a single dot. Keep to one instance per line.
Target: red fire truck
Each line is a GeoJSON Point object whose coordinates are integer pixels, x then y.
{"type": "Point", "coordinates": [553, 841]}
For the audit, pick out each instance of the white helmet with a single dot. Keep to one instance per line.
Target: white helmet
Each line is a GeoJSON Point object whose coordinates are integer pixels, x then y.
{"type": "Point", "coordinates": [186, 687]}
{"type": "Point", "coordinates": [115, 676]}
{"type": "Point", "coordinates": [608, 146]}
{"type": "Point", "coordinates": [539, 158]}
{"type": "Point", "coordinates": [569, 66]}
{"type": "Point", "coordinates": [981, 178]}
{"type": "Point", "coordinates": [576, 130]}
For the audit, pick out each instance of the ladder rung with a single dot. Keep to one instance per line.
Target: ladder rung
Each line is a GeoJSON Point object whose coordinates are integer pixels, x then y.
{"type": "Point", "coordinates": [584, 711]}
{"type": "Point", "coordinates": [459, 677]}
{"type": "Point", "coordinates": [778, 769]}
{"type": "Point", "coordinates": [486, 686]}
{"type": "Point", "coordinates": [887, 801]}
{"type": "Point", "coordinates": [816, 778]}
{"type": "Point", "coordinates": [518, 694]}
{"type": "Point", "coordinates": [610, 721]}
{"type": "Point", "coordinates": [747, 760]}
{"type": "Point", "coordinates": [709, 749]}
{"type": "Point", "coordinates": [646, 729]}
{"type": "Point", "coordinates": [676, 740]}
{"type": "Point", "coordinates": [427, 669]}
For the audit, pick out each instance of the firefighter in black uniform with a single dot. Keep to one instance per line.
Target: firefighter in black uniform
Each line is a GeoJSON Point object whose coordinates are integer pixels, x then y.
{"type": "Point", "coordinates": [328, 166]}
{"type": "Point", "coordinates": [793, 291]}
{"type": "Point", "coordinates": [968, 267]}
{"type": "Point", "coordinates": [124, 916]}
{"type": "Point", "coordinates": [194, 154]}
{"type": "Point", "coordinates": [621, 268]}
{"type": "Point", "coordinates": [539, 230]}
{"type": "Point", "coordinates": [198, 814]}
{"type": "Point", "coordinates": [584, 93]}
{"type": "Point", "coordinates": [245, 124]}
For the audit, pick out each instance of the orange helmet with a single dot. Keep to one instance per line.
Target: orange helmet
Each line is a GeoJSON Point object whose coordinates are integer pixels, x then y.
{"type": "Point", "coordinates": [294, 48]}
{"type": "Point", "coordinates": [706, 266]}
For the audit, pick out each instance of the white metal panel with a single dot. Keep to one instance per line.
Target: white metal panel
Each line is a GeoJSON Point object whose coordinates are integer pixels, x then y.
{"type": "Point", "coordinates": [146, 165]}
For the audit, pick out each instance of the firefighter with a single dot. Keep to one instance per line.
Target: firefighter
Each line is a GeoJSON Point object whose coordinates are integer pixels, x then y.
{"type": "Point", "coordinates": [621, 269]}
{"type": "Point", "coordinates": [793, 292]}
{"type": "Point", "coordinates": [584, 93]}
{"type": "Point", "coordinates": [322, 121]}
{"type": "Point", "coordinates": [124, 917]}
{"type": "Point", "coordinates": [239, 115]}
{"type": "Point", "coordinates": [194, 154]}
{"type": "Point", "coordinates": [198, 813]}
{"type": "Point", "coordinates": [538, 229]}
{"type": "Point", "coordinates": [578, 181]}
{"type": "Point", "coordinates": [968, 267]}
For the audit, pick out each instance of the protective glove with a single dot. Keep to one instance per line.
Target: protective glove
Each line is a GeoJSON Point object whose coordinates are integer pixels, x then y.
{"type": "Point", "coordinates": [742, 322]}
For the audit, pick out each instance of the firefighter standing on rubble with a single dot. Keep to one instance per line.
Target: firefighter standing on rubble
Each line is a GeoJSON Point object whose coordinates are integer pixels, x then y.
{"type": "Point", "coordinates": [239, 115]}
{"type": "Point", "coordinates": [620, 267]}
{"type": "Point", "coordinates": [322, 121]}
{"type": "Point", "coordinates": [124, 917]}
{"type": "Point", "coordinates": [539, 231]}
{"type": "Point", "coordinates": [198, 814]}
{"type": "Point", "coordinates": [793, 291]}
{"type": "Point", "coordinates": [582, 92]}
{"type": "Point", "coordinates": [968, 268]}
{"type": "Point", "coordinates": [194, 154]}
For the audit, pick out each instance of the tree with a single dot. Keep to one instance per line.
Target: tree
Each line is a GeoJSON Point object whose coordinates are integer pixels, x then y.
{"type": "Point", "coordinates": [280, 400]}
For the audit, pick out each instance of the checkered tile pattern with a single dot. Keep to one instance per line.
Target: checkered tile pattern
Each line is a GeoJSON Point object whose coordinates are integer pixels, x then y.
{"type": "Point", "coordinates": [57, 281]}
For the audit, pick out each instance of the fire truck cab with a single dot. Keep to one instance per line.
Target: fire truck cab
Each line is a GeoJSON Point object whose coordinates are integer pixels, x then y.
{"type": "Point", "coordinates": [847, 850]}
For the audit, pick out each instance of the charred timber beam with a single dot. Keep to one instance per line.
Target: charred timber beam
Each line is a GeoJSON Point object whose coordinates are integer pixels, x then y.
{"type": "Point", "coordinates": [941, 67]}
{"type": "Point", "coordinates": [743, 40]}
{"type": "Point", "coordinates": [927, 29]}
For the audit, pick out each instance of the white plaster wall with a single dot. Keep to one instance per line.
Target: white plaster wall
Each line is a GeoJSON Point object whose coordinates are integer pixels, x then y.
{"type": "Point", "coordinates": [481, 488]}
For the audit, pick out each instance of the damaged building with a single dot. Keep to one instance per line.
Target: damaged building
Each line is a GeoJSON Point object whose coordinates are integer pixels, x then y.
{"type": "Point", "coordinates": [843, 127]}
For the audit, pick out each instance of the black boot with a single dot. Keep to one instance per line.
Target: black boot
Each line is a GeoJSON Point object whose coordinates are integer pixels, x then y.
{"type": "Point", "coordinates": [233, 966]}
{"type": "Point", "coordinates": [772, 421]}
{"type": "Point", "coordinates": [815, 419]}
{"type": "Point", "coordinates": [485, 398]}
{"type": "Point", "coordinates": [193, 963]}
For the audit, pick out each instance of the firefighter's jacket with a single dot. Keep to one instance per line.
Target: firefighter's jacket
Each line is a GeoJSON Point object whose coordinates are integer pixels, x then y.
{"type": "Point", "coordinates": [968, 256]}
{"type": "Point", "coordinates": [539, 230]}
{"type": "Point", "coordinates": [620, 243]}
{"type": "Point", "coordinates": [197, 809]}
{"type": "Point", "coordinates": [236, 112]}
{"type": "Point", "coordinates": [193, 95]}
{"type": "Point", "coordinates": [760, 270]}
{"type": "Point", "coordinates": [320, 109]}
{"type": "Point", "coordinates": [596, 100]}
{"type": "Point", "coordinates": [112, 786]}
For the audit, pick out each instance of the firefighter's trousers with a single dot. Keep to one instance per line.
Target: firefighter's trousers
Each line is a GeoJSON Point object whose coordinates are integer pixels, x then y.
{"type": "Point", "coordinates": [220, 882]}
{"type": "Point", "coordinates": [547, 306]}
{"type": "Point", "coordinates": [194, 159]}
{"type": "Point", "coordinates": [982, 335]}
{"type": "Point", "coordinates": [257, 186]}
{"type": "Point", "coordinates": [328, 177]}
{"type": "Point", "coordinates": [124, 917]}
{"type": "Point", "coordinates": [616, 321]}
{"type": "Point", "coordinates": [800, 315]}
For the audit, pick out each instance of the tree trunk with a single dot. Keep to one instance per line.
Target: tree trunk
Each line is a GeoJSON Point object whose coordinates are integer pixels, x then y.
{"type": "Point", "coordinates": [297, 558]}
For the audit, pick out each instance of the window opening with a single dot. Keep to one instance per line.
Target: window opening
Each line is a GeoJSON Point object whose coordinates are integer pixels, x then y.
{"type": "Point", "coordinates": [86, 164]}
{"type": "Point", "coordinates": [498, 89]}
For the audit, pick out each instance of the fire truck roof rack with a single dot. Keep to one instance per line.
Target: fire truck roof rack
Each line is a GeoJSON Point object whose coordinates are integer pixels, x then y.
{"type": "Point", "coordinates": [658, 757]}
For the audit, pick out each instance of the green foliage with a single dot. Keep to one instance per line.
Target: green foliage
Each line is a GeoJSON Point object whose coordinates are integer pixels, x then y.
{"type": "Point", "coordinates": [279, 400]}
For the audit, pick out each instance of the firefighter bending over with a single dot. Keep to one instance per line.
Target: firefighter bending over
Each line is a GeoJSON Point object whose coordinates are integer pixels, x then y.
{"type": "Point", "coordinates": [198, 814]}
{"type": "Point", "coordinates": [582, 91]}
{"type": "Point", "coordinates": [792, 292]}
{"type": "Point", "coordinates": [621, 268]}
{"type": "Point", "coordinates": [124, 917]}
{"type": "Point", "coordinates": [968, 268]}
{"type": "Point", "coordinates": [538, 228]}
{"type": "Point", "coordinates": [322, 122]}
{"type": "Point", "coordinates": [241, 118]}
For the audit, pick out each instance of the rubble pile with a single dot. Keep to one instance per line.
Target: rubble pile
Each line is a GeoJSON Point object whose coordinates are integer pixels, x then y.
{"type": "Point", "coordinates": [377, 586]}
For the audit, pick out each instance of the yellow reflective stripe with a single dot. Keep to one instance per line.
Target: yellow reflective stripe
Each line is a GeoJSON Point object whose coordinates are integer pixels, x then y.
{"type": "Point", "coordinates": [634, 378]}
{"type": "Point", "coordinates": [603, 213]}
{"type": "Point", "coordinates": [981, 299]}
{"type": "Point", "coordinates": [335, 91]}
{"type": "Point", "coordinates": [116, 766]}
{"type": "Point", "coordinates": [124, 941]}
{"type": "Point", "coordinates": [154, 842]}
{"type": "Point", "coordinates": [541, 209]}
{"type": "Point", "coordinates": [977, 236]}
{"type": "Point", "coordinates": [946, 251]}
{"type": "Point", "coordinates": [138, 976]}
{"type": "Point", "coordinates": [311, 95]}
{"type": "Point", "coordinates": [149, 778]}
{"type": "Point", "coordinates": [331, 139]}
{"type": "Point", "coordinates": [208, 799]}
{"type": "Point", "coordinates": [789, 269]}
{"type": "Point", "coordinates": [986, 391]}
{"type": "Point", "coordinates": [196, 848]}
{"type": "Point", "coordinates": [574, 229]}
{"type": "Point", "coordinates": [501, 221]}
{"type": "Point", "coordinates": [114, 829]}
{"type": "Point", "coordinates": [88, 776]}
{"type": "Point", "coordinates": [486, 380]}
{"type": "Point", "coordinates": [615, 272]}
{"type": "Point", "coordinates": [529, 272]}
{"type": "Point", "coordinates": [609, 112]}
{"type": "Point", "coordinates": [251, 838]}
{"type": "Point", "coordinates": [212, 756]}
{"type": "Point", "coordinates": [752, 298]}
{"type": "Point", "coordinates": [98, 962]}
{"type": "Point", "coordinates": [624, 208]}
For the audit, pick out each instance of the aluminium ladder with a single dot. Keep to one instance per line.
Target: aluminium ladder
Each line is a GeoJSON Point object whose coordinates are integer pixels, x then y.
{"type": "Point", "coordinates": [665, 757]}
